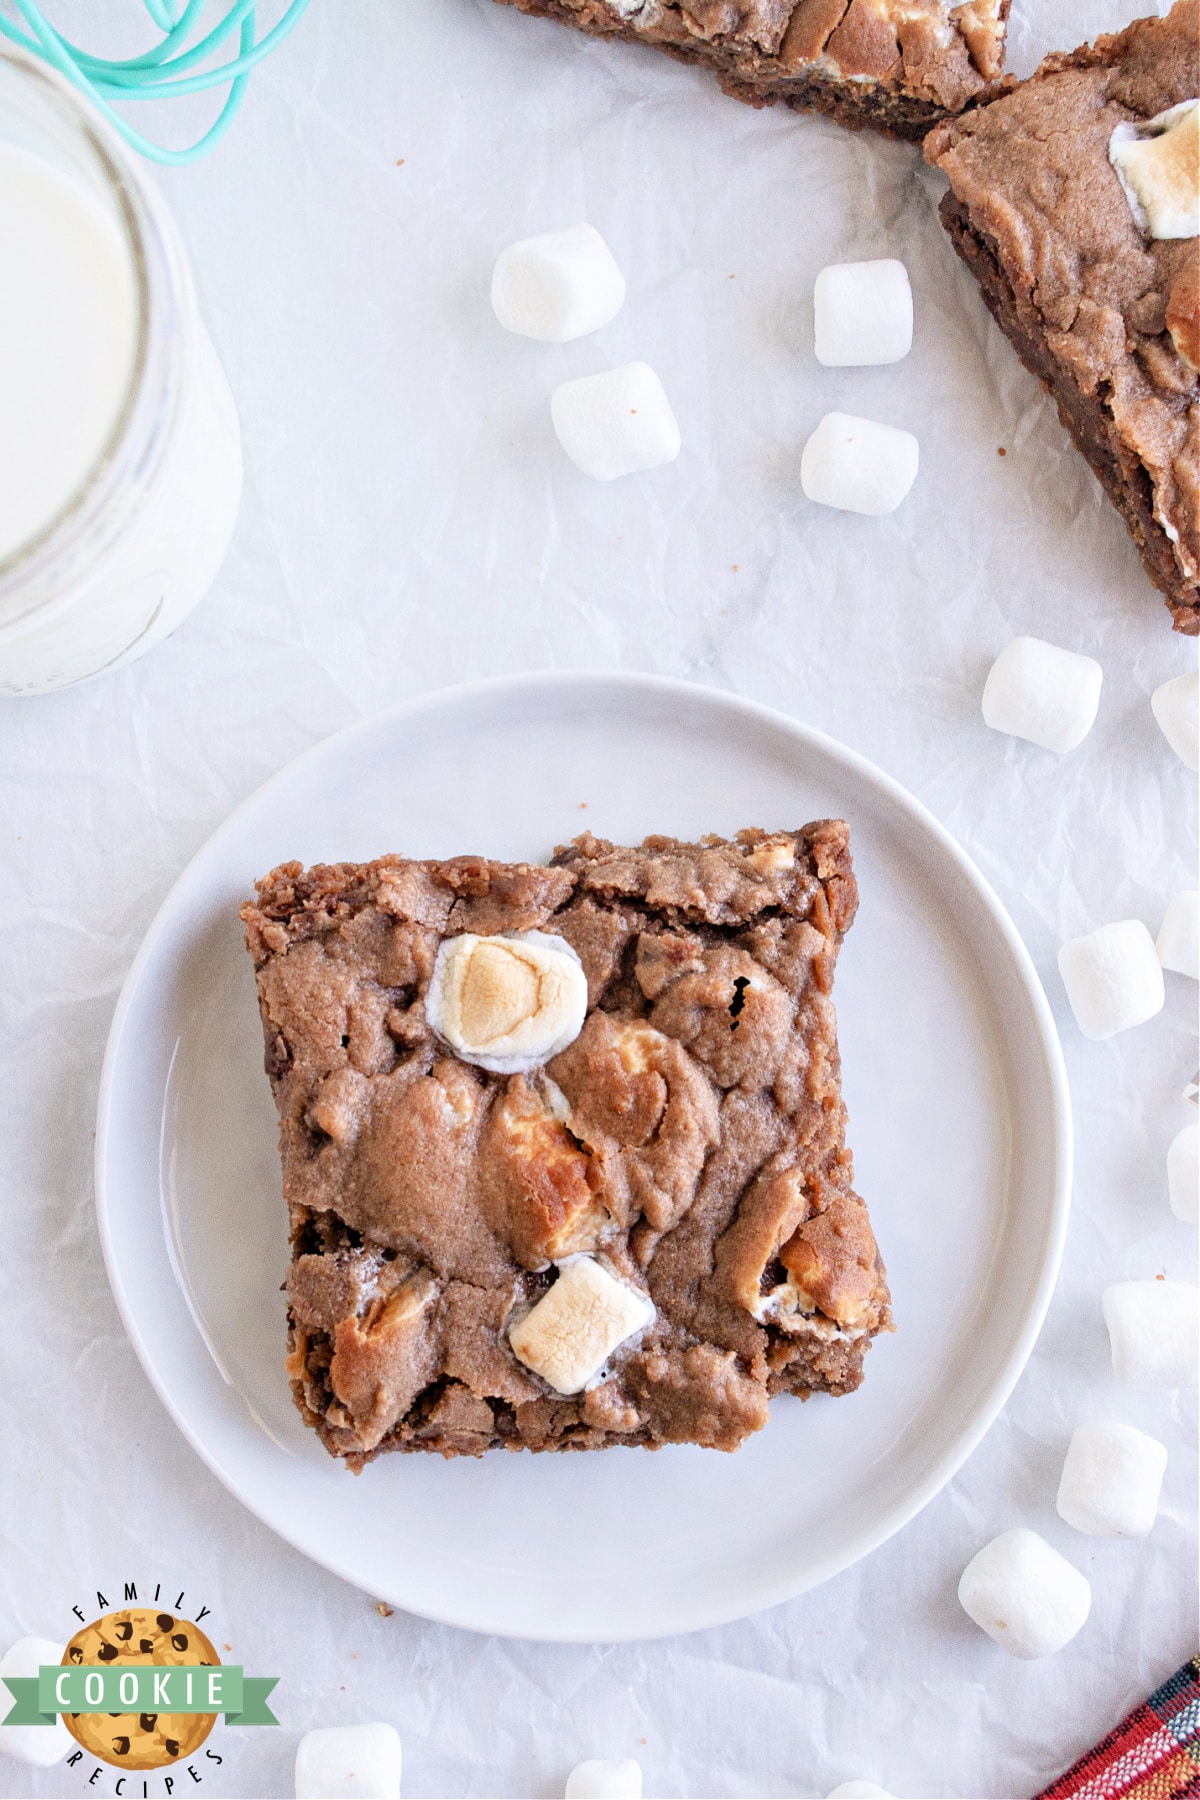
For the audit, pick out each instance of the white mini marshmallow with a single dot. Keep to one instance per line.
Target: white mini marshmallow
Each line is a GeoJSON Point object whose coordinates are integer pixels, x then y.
{"type": "Point", "coordinates": [578, 1323]}
{"type": "Point", "coordinates": [605, 1778]}
{"type": "Point", "coordinates": [858, 1790]}
{"type": "Point", "coordinates": [349, 1762]}
{"type": "Point", "coordinates": [1183, 1174]}
{"type": "Point", "coordinates": [1025, 1595]}
{"type": "Point", "coordinates": [1179, 936]}
{"type": "Point", "coordinates": [858, 465]}
{"type": "Point", "coordinates": [616, 423]}
{"type": "Point", "coordinates": [1046, 695]}
{"type": "Point", "coordinates": [557, 286]}
{"type": "Point", "coordinates": [862, 314]}
{"type": "Point", "coordinates": [40, 1745]}
{"type": "Point", "coordinates": [1113, 978]}
{"type": "Point", "coordinates": [1176, 706]}
{"type": "Point", "coordinates": [1111, 1480]}
{"type": "Point", "coordinates": [1158, 165]}
{"type": "Point", "coordinates": [1154, 1330]}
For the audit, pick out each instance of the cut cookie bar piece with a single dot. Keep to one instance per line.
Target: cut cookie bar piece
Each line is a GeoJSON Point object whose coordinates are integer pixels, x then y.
{"type": "Point", "coordinates": [1100, 308]}
{"type": "Point", "coordinates": [894, 65]}
{"type": "Point", "coordinates": [636, 1240]}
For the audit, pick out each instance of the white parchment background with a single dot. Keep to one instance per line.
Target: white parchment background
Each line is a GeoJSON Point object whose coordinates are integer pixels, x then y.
{"type": "Point", "coordinates": [409, 522]}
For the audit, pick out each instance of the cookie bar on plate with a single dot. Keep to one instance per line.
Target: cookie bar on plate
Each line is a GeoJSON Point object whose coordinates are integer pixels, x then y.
{"type": "Point", "coordinates": [563, 1146]}
{"type": "Point", "coordinates": [894, 65]}
{"type": "Point", "coordinates": [1075, 201]}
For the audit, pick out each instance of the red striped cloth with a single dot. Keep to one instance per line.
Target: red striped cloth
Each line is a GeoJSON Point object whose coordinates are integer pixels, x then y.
{"type": "Point", "coordinates": [1154, 1754]}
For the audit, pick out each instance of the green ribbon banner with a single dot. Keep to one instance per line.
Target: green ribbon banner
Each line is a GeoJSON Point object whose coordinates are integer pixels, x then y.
{"type": "Point", "coordinates": [140, 1688]}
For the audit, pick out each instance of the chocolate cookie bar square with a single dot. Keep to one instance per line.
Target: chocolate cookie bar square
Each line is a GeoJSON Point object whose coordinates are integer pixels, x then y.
{"type": "Point", "coordinates": [1073, 201]}
{"type": "Point", "coordinates": [564, 1145]}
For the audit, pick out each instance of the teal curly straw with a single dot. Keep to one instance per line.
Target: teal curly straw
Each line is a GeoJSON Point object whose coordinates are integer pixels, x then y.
{"type": "Point", "coordinates": [161, 71]}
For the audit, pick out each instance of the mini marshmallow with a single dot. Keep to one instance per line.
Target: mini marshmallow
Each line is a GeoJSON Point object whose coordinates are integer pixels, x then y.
{"type": "Point", "coordinates": [858, 1790]}
{"type": "Point", "coordinates": [1113, 978]}
{"type": "Point", "coordinates": [40, 1745]}
{"type": "Point", "coordinates": [1046, 695]}
{"type": "Point", "coordinates": [1183, 1174]}
{"type": "Point", "coordinates": [578, 1323]}
{"type": "Point", "coordinates": [1154, 1329]}
{"type": "Point", "coordinates": [557, 286]}
{"type": "Point", "coordinates": [507, 1002]}
{"type": "Point", "coordinates": [1024, 1594]}
{"type": "Point", "coordinates": [858, 465]}
{"type": "Point", "coordinates": [605, 1778]}
{"type": "Point", "coordinates": [616, 423]}
{"type": "Point", "coordinates": [1179, 936]}
{"type": "Point", "coordinates": [1158, 165]}
{"type": "Point", "coordinates": [349, 1762]}
{"type": "Point", "coordinates": [863, 314]}
{"type": "Point", "coordinates": [1176, 706]}
{"type": "Point", "coordinates": [1111, 1480]}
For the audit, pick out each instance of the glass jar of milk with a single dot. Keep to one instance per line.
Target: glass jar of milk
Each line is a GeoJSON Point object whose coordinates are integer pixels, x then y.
{"type": "Point", "coordinates": [120, 456]}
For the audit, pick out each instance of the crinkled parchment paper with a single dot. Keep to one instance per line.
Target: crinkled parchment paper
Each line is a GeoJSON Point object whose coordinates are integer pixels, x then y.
{"type": "Point", "coordinates": [409, 522]}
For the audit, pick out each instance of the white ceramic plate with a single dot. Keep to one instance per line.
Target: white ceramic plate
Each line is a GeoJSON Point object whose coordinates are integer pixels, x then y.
{"type": "Point", "coordinates": [959, 1124]}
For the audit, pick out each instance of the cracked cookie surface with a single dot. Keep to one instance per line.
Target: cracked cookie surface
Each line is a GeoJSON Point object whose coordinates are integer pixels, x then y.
{"type": "Point", "coordinates": [893, 66]}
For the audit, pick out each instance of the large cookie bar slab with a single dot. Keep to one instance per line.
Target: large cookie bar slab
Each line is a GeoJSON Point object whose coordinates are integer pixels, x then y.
{"type": "Point", "coordinates": [683, 1159]}
{"type": "Point", "coordinates": [1104, 314]}
{"type": "Point", "coordinates": [896, 66]}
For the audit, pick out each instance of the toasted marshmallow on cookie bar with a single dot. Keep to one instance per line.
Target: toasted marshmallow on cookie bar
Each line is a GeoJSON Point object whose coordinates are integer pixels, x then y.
{"type": "Point", "coordinates": [507, 1003]}
{"type": "Point", "coordinates": [1158, 165]}
{"type": "Point", "coordinates": [575, 1327]}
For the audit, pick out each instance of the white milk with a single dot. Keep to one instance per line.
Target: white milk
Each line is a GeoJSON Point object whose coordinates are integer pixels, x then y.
{"type": "Point", "coordinates": [68, 337]}
{"type": "Point", "coordinates": [120, 455]}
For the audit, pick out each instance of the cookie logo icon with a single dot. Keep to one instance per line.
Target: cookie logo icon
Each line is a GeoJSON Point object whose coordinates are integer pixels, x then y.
{"type": "Point", "coordinates": [139, 1690]}
{"type": "Point", "coordinates": [139, 1637]}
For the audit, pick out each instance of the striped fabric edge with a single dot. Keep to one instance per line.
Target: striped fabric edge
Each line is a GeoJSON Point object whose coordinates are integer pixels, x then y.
{"type": "Point", "coordinates": [1154, 1754]}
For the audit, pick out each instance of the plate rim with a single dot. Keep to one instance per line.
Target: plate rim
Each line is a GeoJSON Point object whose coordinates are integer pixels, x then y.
{"type": "Point", "coordinates": [1052, 1071]}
